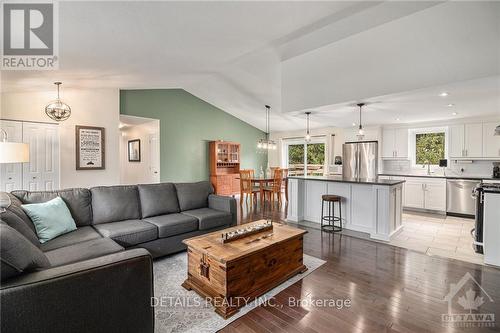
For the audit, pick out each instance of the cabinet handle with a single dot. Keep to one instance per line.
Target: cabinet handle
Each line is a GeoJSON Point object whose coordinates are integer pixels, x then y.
{"type": "Point", "coordinates": [34, 177]}
{"type": "Point", "coordinates": [10, 178]}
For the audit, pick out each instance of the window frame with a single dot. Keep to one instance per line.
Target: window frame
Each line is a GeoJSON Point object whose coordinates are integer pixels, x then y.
{"type": "Point", "coordinates": [302, 141]}
{"type": "Point", "coordinates": [413, 143]}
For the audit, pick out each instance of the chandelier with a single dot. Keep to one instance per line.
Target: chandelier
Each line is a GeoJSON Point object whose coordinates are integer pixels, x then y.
{"type": "Point", "coordinates": [266, 144]}
{"type": "Point", "coordinates": [58, 110]}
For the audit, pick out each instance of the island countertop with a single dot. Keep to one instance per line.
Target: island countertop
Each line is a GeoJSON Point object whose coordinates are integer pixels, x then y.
{"type": "Point", "coordinates": [341, 179]}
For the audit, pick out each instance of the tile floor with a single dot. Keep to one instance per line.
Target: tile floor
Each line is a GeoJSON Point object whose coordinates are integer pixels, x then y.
{"type": "Point", "coordinates": [438, 235]}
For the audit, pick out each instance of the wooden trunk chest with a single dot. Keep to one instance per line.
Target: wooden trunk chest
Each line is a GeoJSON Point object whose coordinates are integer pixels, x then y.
{"type": "Point", "coordinates": [233, 274]}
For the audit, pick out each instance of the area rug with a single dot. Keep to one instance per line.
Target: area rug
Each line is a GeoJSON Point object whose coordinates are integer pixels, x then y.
{"type": "Point", "coordinates": [179, 310]}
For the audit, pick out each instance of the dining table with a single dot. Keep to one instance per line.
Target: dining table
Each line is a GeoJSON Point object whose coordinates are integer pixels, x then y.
{"type": "Point", "coordinates": [263, 181]}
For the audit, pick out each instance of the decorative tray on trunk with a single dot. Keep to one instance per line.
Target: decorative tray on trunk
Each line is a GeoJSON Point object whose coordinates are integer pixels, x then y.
{"type": "Point", "coordinates": [246, 231]}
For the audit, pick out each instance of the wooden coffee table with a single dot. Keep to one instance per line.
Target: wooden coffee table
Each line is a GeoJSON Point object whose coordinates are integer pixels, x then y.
{"type": "Point", "coordinates": [233, 274]}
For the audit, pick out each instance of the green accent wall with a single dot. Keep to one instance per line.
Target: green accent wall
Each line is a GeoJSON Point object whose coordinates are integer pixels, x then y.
{"type": "Point", "coordinates": [187, 125]}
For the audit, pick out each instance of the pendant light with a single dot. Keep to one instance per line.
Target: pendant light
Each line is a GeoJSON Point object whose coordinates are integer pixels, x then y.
{"type": "Point", "coordinates": [266, 144]}
{"type": "Point", "coordinates": [361, 131]}
{"type": "Point", "coordinates": [308, 136]}
{"type": "Point", "coordinates": [58, 110]}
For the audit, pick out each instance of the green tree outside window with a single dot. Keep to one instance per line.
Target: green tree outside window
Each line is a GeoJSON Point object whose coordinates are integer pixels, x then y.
{"type": "Point", "coordinates": [429, 148]}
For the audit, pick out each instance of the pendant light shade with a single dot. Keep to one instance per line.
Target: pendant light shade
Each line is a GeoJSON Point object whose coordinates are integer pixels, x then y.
{"type": "Point", "coordinates": [58, 110]}
{"type": "Point", "coordinates": [308, 135]}
{"type": "Point", "coordinates": [361, 131]}
{"type": "Point", "coordinates": [266, 144]}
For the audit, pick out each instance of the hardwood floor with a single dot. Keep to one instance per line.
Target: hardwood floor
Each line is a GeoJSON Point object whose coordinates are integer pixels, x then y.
{"type": "Point", "coordinates": [391, 289]}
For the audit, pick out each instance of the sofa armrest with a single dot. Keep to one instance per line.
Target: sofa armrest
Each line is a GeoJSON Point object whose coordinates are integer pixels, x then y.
{"type": "Point", "coordinates": [226, 204]}
{"type": "Point", "coordinates": [106, 294]}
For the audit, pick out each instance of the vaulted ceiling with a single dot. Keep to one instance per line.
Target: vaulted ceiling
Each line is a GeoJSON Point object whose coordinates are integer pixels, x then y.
{"type": "Point", "coordinates": [295, 56]}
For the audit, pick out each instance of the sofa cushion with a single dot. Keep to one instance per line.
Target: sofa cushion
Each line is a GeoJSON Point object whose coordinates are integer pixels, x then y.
{"type": "Point", "coordinates": [158, 199]}
{"type": "Point", "coordinates": [115, 203]}
{"type": "Point", "coordinates": [193, 195]}
{"type": "Point", "coordinates": [51, 218]}
{"type": "Point", "coordinates": [173, 224]}
{"type": "Point", "coordinates": [210, 218]}
{"type": "Point", "coordinates": [82, 234]}
{"type": "Point", "coordinates": [82, 251]}
{"type": "Point", "coordinates": [128, 233]}
{"type": "Point", "coordinates": [78, 201]}
{"type": "Point", "coordinates": [14, 221]}
{"type": "Point", "coordinates": [17, 254]}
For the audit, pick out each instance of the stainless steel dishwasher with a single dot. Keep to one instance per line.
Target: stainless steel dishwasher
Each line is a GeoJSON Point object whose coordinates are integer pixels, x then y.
{"type": "Point", "coordinates": [459, 200]}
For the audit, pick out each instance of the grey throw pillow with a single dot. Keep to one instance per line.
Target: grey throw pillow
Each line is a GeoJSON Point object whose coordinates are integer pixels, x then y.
{"type": "Point", "coordinates": [18, 254]}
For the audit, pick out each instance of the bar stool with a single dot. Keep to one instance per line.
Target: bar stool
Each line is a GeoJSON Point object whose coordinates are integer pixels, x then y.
{"type": "Point", "coordinates": [328, 221]}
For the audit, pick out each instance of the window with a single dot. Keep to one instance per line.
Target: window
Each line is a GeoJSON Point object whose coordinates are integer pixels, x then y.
{"type": "Point", "coordinates": [429, 148]}
{"type": "Point", "coordinates": [305, 158]}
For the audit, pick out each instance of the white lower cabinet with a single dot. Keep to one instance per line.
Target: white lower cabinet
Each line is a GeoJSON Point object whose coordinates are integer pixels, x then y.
{"type": "Point", "coordinates": [423, 193]}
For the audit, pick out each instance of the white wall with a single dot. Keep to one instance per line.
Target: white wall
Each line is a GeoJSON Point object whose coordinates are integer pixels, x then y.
{"type": "Point", "coordinates": [137, 172]}
{"type": "Point", "coordinates": [92, 107]}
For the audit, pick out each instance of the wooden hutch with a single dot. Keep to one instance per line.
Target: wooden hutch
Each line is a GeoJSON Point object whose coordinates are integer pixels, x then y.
{"type": "Point", "coordinates": [225, 167]}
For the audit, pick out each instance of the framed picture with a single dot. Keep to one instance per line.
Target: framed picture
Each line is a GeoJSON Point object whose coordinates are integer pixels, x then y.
{"type": "Point", "coordinates": [90, 153]}
{"type": "Point", "coordinates": [134, 150]}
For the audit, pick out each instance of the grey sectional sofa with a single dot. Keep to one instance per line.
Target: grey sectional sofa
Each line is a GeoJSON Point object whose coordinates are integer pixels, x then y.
{"type": "Point", "coordinates": [99, 277]}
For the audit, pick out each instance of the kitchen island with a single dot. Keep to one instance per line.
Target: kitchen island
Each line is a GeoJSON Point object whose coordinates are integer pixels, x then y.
{"type": "Point", "coordinates": [373, 206]}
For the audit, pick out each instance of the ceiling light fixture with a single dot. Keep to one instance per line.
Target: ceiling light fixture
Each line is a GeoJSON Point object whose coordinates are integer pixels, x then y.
{"type": "Point", "coordinates": [454, 113]}
{"type": "Point", "coordinates": [58, 110]}
{"type": "Point", "coordinates": [443, 94]}
{"type": "Point", "coordinates": [450, 105]}
{"type": "Point", "coordinates": [397, 119]}
{"type": "Point", "coordinates": [361, 131]}
{"type": "Point", "coordinates": [308, 136]}
{"type": "Point", "coordinates": [353, 124]}
{"type": "Point", "coordinates": [266, 144]}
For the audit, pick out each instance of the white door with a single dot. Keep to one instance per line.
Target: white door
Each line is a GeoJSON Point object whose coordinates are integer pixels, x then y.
{"type": "Point", "coordinates": [457, 137]}
{"type": "Point", "coordinates": [154, 153]}
{"type": "Point", "coordinates": [401, 143]}
{"type": "Point", "coordinates": [491, 142]}
{"type": "Point", "coordinates": [388, 143]}
{"type": "Point", "coordinates": [473, 140]}
{"type": "Point", "coordinates": [414, 195]}
{"type": "Point", "coordinates": [42, 171]}
{"type": "Point", "coordinates": [11, 174]}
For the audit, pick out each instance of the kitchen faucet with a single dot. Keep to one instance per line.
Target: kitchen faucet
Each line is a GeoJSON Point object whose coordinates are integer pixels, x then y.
{"type": "Point", "coordinates": [428, 167]}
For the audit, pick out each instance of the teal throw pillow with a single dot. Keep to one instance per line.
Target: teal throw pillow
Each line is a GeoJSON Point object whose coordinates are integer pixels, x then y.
{"type": "Point", "coordinates": [51, 218]}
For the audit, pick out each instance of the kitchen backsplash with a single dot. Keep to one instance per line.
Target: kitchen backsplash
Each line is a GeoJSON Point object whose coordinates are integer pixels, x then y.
{"type": "Point", "coordinates": [476, 168]}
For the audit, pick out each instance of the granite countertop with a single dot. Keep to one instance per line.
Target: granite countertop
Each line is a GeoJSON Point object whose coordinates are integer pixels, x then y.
{"type": "Point", "coordinates": [436, 176]}
{"type": "Point", "coordinates": [341, 179]}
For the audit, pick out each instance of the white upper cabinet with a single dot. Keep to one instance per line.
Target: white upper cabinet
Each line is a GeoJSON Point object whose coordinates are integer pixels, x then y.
{"type": "Point", "coordinates": [473, 140]}
{"type": "Point", "coordinates": [395, 143]}
{"type": "Point", "coordinates": [466, 141]}
{"type": "Point", "coordinates": [457, 139]}
{"type": "Point", "coordinates": [491, 142]}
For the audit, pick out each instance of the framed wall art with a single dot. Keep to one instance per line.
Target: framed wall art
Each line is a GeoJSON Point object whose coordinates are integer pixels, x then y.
{"type": "Point", "coordinates": [134, 150]}
{"type": "Point", "coordinates": [90, 154]}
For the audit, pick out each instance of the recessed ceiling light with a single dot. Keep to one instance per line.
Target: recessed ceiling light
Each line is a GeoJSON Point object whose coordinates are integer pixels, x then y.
{"type": "Point", "coordinates": [443, 94]}
{"type": "Point", "coordinates": [397, 119]}
{"type": "Point", "coordinates": [454, 113]}
{"type": "Point", "coordinates": [450, 105]}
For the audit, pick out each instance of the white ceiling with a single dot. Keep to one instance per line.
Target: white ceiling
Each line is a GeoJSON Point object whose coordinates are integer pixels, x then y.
{"type": "Point", "coordinates": [320, 56]}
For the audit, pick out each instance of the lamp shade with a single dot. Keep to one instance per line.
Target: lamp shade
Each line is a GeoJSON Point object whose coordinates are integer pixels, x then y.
{"type": "Point", "coordinates": [14, 152]}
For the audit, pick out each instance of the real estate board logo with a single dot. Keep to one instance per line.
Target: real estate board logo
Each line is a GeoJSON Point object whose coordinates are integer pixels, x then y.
{"type": "Point", "coordinates": [464, 305]}
{"type": "Point", "coordinates": [29, 31]}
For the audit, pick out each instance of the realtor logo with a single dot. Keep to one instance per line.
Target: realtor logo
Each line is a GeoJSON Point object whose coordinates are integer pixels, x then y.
{"type": "Point", "coordinates": [469, 295]}
{"type": "Point", "coordinates": [28, 32]}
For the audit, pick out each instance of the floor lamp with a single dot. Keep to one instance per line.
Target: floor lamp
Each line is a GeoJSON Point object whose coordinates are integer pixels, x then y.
{"type": "Point", "coordinates": [11, 152]}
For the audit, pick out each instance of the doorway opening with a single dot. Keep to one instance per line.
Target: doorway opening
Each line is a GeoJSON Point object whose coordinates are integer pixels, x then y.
{"type": "Point", "coordinates": [139, 150]}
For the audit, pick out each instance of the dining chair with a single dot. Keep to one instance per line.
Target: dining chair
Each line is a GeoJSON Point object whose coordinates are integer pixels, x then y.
{"type": "Point", "coordinates": [275, 187]}
{"type": "Point", "coordinates": [246, 186]}
{"type": "Point", "coordinates": [285, 183]}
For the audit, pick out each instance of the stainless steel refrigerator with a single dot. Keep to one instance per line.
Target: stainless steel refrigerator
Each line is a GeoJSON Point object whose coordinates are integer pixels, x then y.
{"type": "Point", "coordinates": [360, 160]}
